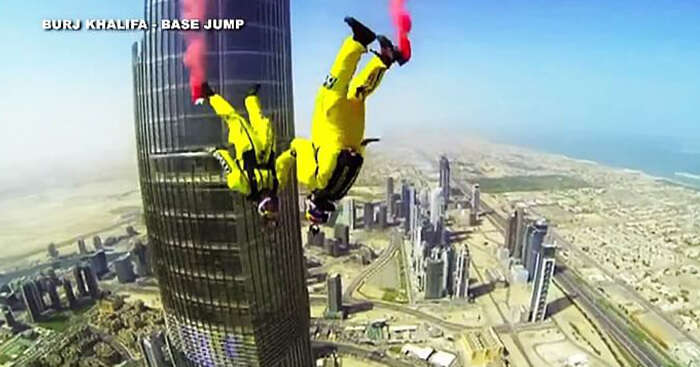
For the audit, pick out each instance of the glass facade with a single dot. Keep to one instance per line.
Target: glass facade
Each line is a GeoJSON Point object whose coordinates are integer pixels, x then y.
{"type": "Point", "coordinates": [233, 291]}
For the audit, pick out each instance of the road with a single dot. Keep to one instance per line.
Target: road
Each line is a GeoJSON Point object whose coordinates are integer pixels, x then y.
{"type": "Point", "coordinates": [629, 290]}
{"type": "Point", "coordinates": [383, 258]}
{"type": "Point", "coordinates": [587, 297]}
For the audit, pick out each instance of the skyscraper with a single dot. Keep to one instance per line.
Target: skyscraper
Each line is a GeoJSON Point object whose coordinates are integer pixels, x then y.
{"type": "Point", "coordinates": [97, 243]}
{"type": "Point", "coordinates": [351, 212]}
{"type": "Point", "coordinates": [53, 252]}
{"type": "Point", "coordinates": [342, 233]}
{"type": "Point", "coordinates": [434, 277]}
{"type": "Point", "coordinates": [544, 271]}
{"type": "Point", "coordinates": [124, 269]}
{"type": "Point", "coordinates": [70, 296]}
{"type": "Point", "coordinates": [233, 291]}
{"type": "Point", "coordinates": [519, 231]}
{"type": "Point", "coordinates": [533, 243]}
{"type": "Point", "coordinates": [368, 216]}
{"type": "Point", "coordinates": [382, 217]}
{"type": "Point", "coordinates": [80, 281]}
{"type": "Point", "coordinates": [335, 294]}
{"type": "Point", "coordinates": [91, 282]}
{"type": "Point", "coordinates": [403, 208]}
{"type": "Point", "coordinates": [437, 199]}
{"type": "Point", "coordinates": [389, 197]}
{"type": "Point", "coordinates": [476, 199]}
{"type": "Point", "coordinates": [51, 288]}
{"type": "Point", "coordinates": [82, 248]}
{"type": "Point", "coordinates": [412, 213]}
{"type": "Point", "coordinates": [445, 179]}
{"type": "Point", "coordinates": [32, 301]}
{"type": "Point", "coordinates": [98, 261]}
{"type": "Point", "coordinates": [511, 231]}
{"type": "Point", "coordinates": [461, 273]}
{"type": "Point", "coordinates": [139, 253]}
{"type": "Point", "coordinates": [9, 317]}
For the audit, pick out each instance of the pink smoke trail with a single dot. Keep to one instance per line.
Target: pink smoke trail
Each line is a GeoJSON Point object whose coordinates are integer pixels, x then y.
{"type": "Point", "coordinates": [402, 22]}
{"type": "Point", "coordinates": [196, 46]}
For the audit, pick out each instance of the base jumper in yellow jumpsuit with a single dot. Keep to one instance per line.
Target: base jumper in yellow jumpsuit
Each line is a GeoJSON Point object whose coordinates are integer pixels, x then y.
{"type": "Point", "coordinates": [329, 163]}
{"type": "Point", "coordinates": [251, 172]}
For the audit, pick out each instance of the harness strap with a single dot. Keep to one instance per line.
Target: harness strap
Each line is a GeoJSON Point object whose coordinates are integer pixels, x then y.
{"type": "Point", "coordinates": [346, 171]}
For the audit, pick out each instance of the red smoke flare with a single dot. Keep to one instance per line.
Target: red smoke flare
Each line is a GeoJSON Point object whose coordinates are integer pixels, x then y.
{"type": "Point", "coordinates": [196, 47]}
{"type": "Point", "coordinates": [402, 22]}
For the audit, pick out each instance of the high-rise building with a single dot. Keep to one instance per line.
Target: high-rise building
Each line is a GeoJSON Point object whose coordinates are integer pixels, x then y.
{"type": "Point", "coordinates": [390, 197]}
{"type": "Point", "coordinates": [70, 296]}
{"type": "Point", "coordinates": [32, 301]}
{"type": "Point", "coordinates": [80, 281]}
{"type": "Point", "coordinates": [93, 287]}
{"type": "Point", "coordinates": [368, 216]}
{"type": "Point", "coordinates": [544, 272]}
{"type": "Point", "coordinates": [233, 291]}
{"type": "Point", "coordinates": [476, 199]}
{"type": "Point", "coordinates": [533, 242]}
{"type": "Point", "coordinates": [152, 347]}
{"type": "Point", "coordinates": [9, 317]}
{"type": "Point", "coordinates": [139, 253]}
{"type": "Point", "coordinates": [97, 243]}
{"type": "Point", "coordinates": [436, 205]}
{"type": "Point", "coordinates": [351, 212]}
{"type": "Point", "coordinates": [403, 208]}
{"type": "Point", "coordinates": [445, 179]}
{"type": "Point", "coordinates": [511, 231]}
{"type": "Point", "coordinates": [315, 239]}
{"type": "Point", "coordinates": [98, 262]}
{"type": "Point", "coordinates": [434, 278]}
{"type": "Point", "coordinates": [53, 252]}
{"type": "Point", "coordinates": [82, 248]}
{"type": "Point", "coordinates": [382, 217]}
{"type": "Point", "coordinates": [412, 213]}
{"type": "Point", "coordinates": [448, 256]}
{"type": "Point", "coordinates": [335, 294]}
{"type": "Point", "coordinates": [342, 233]}
{"type": "Point", "coordinates": [461, 273]}
{"type": "Point", "coordinates": [124, 269]}
{"type": "Point", "coordinates": [51, 288]}
{"type": "Point", "coordinates": [520, 221]}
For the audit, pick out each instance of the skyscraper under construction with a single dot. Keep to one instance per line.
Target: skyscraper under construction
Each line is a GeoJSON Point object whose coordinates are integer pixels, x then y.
{"type": "Point", "coordinates": [233, 291]}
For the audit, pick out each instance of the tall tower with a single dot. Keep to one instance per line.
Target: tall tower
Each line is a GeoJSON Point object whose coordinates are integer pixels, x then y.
{"type": "Point", "coordinates": [445, 179]}
{"type": "Point", "coordinates": [233, 290]}
{"type": "Point", "coordinates": [335, 294]}
{"type": "Point", "coordinates": [390, 197]}
{"type": "Point", "coordinates": [519, 231]}
{"type": "Point", "coordinates": [535, 236]}
{"type": "Point", "coordinates": [461, 273]}
{"type": "Point", "coordinates": [476, 198]}
{"type": "Point", "coordinates": [437, 204]}
{"type": "Point", "coordinates": [544, 271]}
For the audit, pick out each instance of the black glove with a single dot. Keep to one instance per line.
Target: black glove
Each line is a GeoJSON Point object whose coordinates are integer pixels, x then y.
{"type": "Point", "coordinates": [253, 91]}
{"type": "Point", "coordinates": [207, 91]}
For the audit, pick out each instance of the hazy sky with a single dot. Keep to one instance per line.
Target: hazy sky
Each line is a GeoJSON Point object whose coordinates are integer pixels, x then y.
{"type": "Point", "coordinates": [485, 66]}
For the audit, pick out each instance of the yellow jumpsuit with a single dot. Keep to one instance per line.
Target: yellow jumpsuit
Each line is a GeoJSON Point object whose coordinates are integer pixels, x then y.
{"type": "Point", "coordinates": [338, 121]}
{"type": "Point", "coordinates": [255, 136]}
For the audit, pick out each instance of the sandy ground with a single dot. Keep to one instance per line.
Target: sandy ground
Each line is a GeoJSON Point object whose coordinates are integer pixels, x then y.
{"type": "Point", "coordinates": [29, 223]}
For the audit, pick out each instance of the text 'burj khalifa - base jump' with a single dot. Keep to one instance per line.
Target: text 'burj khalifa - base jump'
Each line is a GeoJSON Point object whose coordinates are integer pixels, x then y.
{"type": "Point", "coordinates": [233, 292]}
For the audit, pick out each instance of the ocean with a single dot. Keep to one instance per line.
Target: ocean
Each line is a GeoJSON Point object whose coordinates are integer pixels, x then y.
{"type": "Point", "coordinates": [674, 159]}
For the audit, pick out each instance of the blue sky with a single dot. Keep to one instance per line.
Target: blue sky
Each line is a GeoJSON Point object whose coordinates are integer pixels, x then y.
{"type": "Point", "coordinates": [625, 67]}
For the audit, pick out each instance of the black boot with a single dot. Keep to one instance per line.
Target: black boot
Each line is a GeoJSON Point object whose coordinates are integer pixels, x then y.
{"type": "Point", "coordinates": [253, 91]}
{"type": "Point", "coordinates": [360, 32]}
{"type": "Point", "coordinates": [389, 53]}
